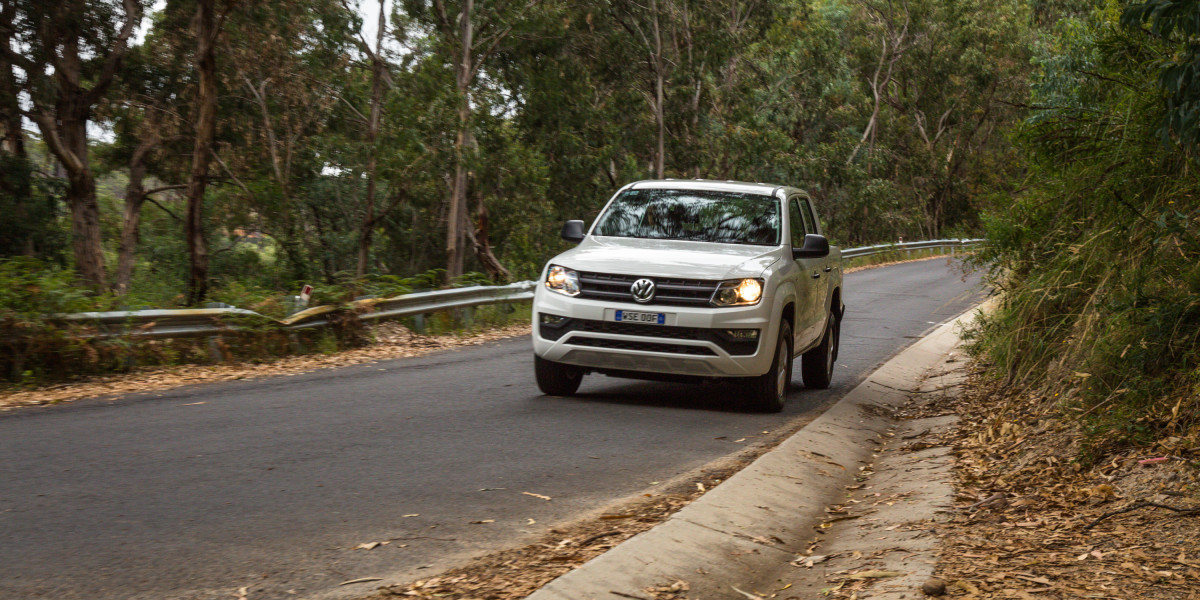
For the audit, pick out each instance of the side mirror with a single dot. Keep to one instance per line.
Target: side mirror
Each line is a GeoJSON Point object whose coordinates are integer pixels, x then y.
{"type": "Point", "coordinates": [572, 231]}
{"type": "Point", "coordinates": [815, 246]}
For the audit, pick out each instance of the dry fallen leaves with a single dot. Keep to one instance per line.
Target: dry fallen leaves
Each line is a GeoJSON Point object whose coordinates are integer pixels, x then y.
{"type": "Point", "coordinates": [392, 341]}
{"type": "Point", "coordinates": [1024, 504]}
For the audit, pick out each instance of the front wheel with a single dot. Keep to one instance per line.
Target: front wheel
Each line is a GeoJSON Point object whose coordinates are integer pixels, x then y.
{"type": "Point", "coordinates": [556, 379]}
{"type": "Point", "coordinates": [768, 391]}
{"type": "Point", "coordinates": [817, 364]}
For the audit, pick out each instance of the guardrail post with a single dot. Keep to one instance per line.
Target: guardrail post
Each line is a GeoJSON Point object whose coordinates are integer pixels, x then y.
{"type": "Point", "coordinates": [294, 343]}
{"type": "Point", "coordinates": [468, 316]}
{"type": "Point", "coordinates": [214, 349]}
{"type": "Point", "coordinates": [419, 323]}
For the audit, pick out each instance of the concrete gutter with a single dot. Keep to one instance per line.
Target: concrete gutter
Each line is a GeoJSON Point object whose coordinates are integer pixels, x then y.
{"type": "Point", "coordinates": [744, 534]}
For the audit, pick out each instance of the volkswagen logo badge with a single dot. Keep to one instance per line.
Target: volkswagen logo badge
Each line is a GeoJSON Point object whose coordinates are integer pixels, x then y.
{"type": "Point", "coordinates": [642, 290]}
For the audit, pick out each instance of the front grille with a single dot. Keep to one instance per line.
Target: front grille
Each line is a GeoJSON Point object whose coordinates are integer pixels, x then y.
{"type": "Point", "coordinates": [735, 347]}
{"type": "Point", "coordinates": [669, 291]}
{"type": "Point", "coordinates": [658, 331]}
{"type": "Point", "coordinates": [643, 346]}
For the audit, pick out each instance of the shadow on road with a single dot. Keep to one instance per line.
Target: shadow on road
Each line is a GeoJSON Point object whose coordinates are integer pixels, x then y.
{"type": "Point", "coordinates": [723, 397]}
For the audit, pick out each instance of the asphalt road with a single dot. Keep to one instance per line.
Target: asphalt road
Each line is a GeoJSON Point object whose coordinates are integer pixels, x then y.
{"type": "Point", "coordinates": [270, 484]}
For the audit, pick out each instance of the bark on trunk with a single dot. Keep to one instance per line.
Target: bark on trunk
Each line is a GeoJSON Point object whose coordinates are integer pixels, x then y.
{"type": "Point", "coordinates": [12, 138]}
{"type": "Point", "coordinates": [135, 198]}
{"type": "Point", "coordinates": [368, 224]}
{"type": "Point", "coordinates": [206, 33]}
{"type": "Point", "coordinates": [73, 111]}
{"type": "Point", "coordinates": [456, 216]}
{"type": "Point", "coordinates": [659, 117]}
{"type": "Point", "coordinates": [483, 247]}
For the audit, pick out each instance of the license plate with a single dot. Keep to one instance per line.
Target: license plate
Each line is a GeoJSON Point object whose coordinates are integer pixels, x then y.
{"type": "Point", "coordinates": [629, 316]}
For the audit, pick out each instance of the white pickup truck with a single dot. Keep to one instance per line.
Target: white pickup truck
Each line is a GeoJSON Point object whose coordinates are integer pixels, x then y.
{"type": "Point", "coordinates": [690, 280]}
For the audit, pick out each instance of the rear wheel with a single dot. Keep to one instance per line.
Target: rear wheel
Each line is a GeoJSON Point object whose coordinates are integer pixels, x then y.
{"type": "Point", "coordinates": [556, 379]}
{"type": "Point", "coordinates": [768, 391]}
{"type": "Point", "coordinates": [817, 364]}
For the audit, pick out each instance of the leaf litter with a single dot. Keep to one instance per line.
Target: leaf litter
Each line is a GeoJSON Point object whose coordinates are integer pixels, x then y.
{"type": "Point", "coordinates": [1031, 522]}
{"type": "Point", "coordinates": [391, 340]}
{"type": "Point", "coordinates": [515, 573]}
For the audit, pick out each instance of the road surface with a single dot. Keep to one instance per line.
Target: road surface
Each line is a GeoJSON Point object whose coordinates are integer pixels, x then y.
{"type": "Point", "coordinates": [270, 484]}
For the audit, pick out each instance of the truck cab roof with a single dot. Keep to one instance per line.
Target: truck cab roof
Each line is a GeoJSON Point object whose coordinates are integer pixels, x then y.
{"type": "Point", "coordinates": [765, 189]}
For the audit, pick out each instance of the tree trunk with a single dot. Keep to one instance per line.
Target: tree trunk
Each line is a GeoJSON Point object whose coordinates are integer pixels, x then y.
{"type": "Point", "coordinates": [73, 111]}
{"type": "Point", "coordinates": [135, 196]}
{"type": "Point", "coordinates": [206, 125]}
{"type": "Point", "coordinates": [368, 224]}
{"type": "Point", "coordinates": [483, 247]}
{"type": "Point", "coordinates": [660, 157]}
{"type": "Point", "coordinates": [65, 131]}
{"type": "Point", "coordinates": [456, 217]}
{"type": "Point", "coordinates": [15, 182]}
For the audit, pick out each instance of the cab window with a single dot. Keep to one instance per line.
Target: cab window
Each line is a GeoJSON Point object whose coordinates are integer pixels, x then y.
{"type": "Point", "coordinates": [798, 226]}
{"type": "Point", "coordinates": [810, 220]}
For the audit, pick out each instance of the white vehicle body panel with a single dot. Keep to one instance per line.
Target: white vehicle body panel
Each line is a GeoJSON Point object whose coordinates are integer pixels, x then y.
{"type": "Point", "coordinates": [807, 289]}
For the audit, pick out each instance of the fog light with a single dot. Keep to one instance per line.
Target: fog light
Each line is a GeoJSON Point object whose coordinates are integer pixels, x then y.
{"type": "Point", "coordinates": [551, 319]}
{"type": "Point", "coordinates": [742, 334]}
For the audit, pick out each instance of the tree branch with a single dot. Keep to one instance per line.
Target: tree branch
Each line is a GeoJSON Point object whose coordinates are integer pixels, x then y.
{"type": "Point", "coordinates": [164, 209]}
{"type": "Point", "coordinates": [165, 188]}
{"type": "Point", "coordinates": [1187, 512]}
{"type": "Point", "coordinates": [50, 135]}
{"type": "Point", "coordinates": [133, 17]}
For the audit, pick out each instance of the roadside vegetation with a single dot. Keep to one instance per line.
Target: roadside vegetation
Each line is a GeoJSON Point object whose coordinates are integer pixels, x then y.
{"type": "Point", "coordinates": [1097, 255]}
{"type": "Point", "coordinates": [223, 151]}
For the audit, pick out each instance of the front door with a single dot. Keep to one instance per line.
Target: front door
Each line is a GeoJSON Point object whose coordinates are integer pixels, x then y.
{"type": "Point", "coordinates": [810, 310]}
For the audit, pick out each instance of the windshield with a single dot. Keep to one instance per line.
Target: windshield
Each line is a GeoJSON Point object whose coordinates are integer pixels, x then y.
{"type": "Point", "coordinates": [700, 216]}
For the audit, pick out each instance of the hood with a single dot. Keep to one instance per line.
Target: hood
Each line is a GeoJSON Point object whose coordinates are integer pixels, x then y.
{"type": "Point", "coordinates": [668, 258]}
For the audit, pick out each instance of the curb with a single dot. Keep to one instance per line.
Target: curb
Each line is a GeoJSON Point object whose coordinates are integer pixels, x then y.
{"type": "Point", "coordinates": [747, 529]}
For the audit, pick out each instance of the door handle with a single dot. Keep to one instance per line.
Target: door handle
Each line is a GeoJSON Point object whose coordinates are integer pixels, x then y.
{"type": "Point", "coordinates": [816, 275]}
{"type": "Point", "coordinates": [828, 268]}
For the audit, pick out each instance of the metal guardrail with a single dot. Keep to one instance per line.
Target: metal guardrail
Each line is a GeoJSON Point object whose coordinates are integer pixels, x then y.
{"type": "Point", "coordinates": [416, 304]}
{"type": "Point", "coordinates": [909, 247]}
{"type": "Point", "coordinates": [209, 322]}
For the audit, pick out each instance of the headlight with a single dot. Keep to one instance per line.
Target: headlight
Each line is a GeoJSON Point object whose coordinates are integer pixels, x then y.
{"type": "Point", "coordinates": [738, 292]}
{"type": "Point", "coordinates": [563, 280]}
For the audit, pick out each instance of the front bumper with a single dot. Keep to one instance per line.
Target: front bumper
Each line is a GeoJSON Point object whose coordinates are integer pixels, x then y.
{"type": "Point", "coordinates": [693, 341]}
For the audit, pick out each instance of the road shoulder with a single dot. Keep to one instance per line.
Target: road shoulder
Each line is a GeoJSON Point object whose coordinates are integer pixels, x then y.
{"type": "Point", "coordinates": [756, 533]}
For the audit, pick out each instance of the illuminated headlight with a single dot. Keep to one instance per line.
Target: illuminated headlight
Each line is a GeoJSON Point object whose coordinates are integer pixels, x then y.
{"type": "Point", "coordinates": [563, 280]}
{"type": "Point", "coordinates": [738, 292]}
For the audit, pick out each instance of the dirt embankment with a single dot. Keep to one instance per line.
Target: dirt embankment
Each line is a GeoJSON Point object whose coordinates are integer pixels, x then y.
{"type": "Point", "coordinates": [1031, 522]}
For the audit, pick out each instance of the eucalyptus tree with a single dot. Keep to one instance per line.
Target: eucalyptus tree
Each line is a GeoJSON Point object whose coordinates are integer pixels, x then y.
{"type": "Point", "coordinates": [953, 72]}
{"type": "Point", "coordinates": [68, 53]}
{"type": "Point", "coordinates": [147, 112]}
{"type": "Point", "coordinates": [466, 35]}
{"type": "Point", "coordinates": [284, 63]}
{"type": "Point", "coordinates": [15, 189]}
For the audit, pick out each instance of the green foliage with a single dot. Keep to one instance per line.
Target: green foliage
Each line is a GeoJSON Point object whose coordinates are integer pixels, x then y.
{"type": "Point", "coordinates": [30, 288]}
{"type": "Point", "coordinates": [1098, 256]}
{"type": "Point", "coordinates": [1177, 24]}
{"type": "Point", "coordinates": [563, 110]}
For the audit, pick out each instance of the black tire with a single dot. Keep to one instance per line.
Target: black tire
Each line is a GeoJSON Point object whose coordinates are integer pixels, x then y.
{"type": "Point", "coordinates": [816, 366]}
{"type": "Point", "coordinates": [769, 391]}
{"type": "Point", "coordinates": [556, 379]}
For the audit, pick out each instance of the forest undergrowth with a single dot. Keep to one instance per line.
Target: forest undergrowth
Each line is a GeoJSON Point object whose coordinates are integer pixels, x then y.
{"type": "Point", "coordinates": [1097, 259]}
